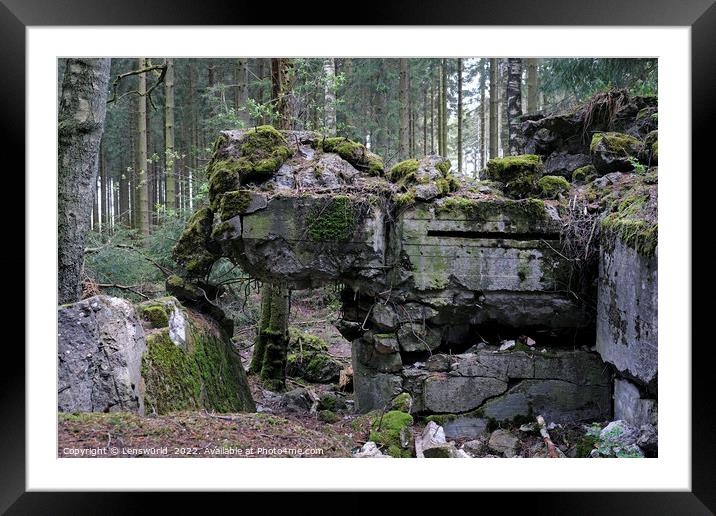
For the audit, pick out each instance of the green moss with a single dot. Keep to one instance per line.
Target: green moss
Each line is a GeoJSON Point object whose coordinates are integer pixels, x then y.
{"type": "Point", "coordinates": [234, 203]}
{"type": "Point", "coordinates": [354, 153]}
{"type": "Point", "coordinates": [402, 402]}
{"type": "Point", "coordinates": [170, 375]}
{"type": "Point", "coordinates": [617, 143]}
{"type": "Point", "coordinates": [224, 176]}
{"type": "Point", "coordinates": [655, 150]}
{"type": "Point", "coordinates": [301, 341]}
{"type": "Point", "coordinates": [386, 430]}
{"type": "Point", "coordinates": [552, 187]}
{"type": "Point", "coordinates": [403, 200]}
{"type": "Point", "coordinates": [444, 167]}
{"type": "Point", "coordinates": [523, 214]}
{"type": "Point", "coordinates": [327, 416]}
{"type": "Point", "coordinates": [204, 375]}
{"type": "Point", "coordinates": [586, 445]}
{"type": "Point", "coordinates": [519, 174]}
{"type": "Point", "coordinates": [440, 419]}
{"type": "Point", "coordinates": [332, 220]}
{"type": "Point", "coordinates": [403, 169]}
{"type": "Point", "coordinates": [327, 402]}
{"type": "Point", "coordinates": [155, 314]}
{"type": "Point", "coordinates": [630, 218]}
{"type": "Point", "coordinates": [582, 173]}
{"type": "Point", "coordinates": [193, 251]}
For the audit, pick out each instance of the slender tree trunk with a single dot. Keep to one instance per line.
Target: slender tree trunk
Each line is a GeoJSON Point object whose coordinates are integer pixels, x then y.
{"type": "Point", "coordinates": [425, 120]}
{"type": "Point", "coordinates": [169, 157]}
{"type": "Point", "coordinates": [281, 79]}
{"type": "Point", "coordinates": [514, 102]}
{"type": "Point", "coordinates": [329, 104]}
{"type": "Point", "coordinates": [494, 130]}
{"type": "Point", "coordinates": [105, 191]}
{"type": "Point", "coordinates": [459, 115]}
{"type": "Point", "coordinates": [504, 120]}
{"type": "Point", "coordinates": [432, 110]}
{"type": "Point", "coordinates": [81, 117]}
{"type": "Point", "coordinates": [532, 85]}
{"type": "Point", "coordinates": [444, 109]}
{"type": "Point", "coordinates": [142, 171]}
{"type": "Point", "coordinates": [381, 102]}
{"type": "Point", "coordinates": [403, 129]}
{"type": "Point", "coordinates": [242, 90]}
{"type": "Point", "coordinates": [483, 111]}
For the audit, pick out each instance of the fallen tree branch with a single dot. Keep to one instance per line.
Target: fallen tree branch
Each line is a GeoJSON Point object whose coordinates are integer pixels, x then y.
{"type": "Point", "coordinates": [122, 287]}
{"type": "Point", "coordinates": [551, 448]}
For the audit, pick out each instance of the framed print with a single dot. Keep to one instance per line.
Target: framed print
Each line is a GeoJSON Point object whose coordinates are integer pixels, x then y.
{"type": "Point", "coordinates": [450, 233]}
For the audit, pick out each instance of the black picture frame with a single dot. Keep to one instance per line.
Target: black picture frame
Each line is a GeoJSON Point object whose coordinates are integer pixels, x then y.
{"type": "Point", "coordinates": [16, 15]}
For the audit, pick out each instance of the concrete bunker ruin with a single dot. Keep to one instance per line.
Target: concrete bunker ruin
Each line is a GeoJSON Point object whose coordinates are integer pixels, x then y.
{"type": "Point", "coordinates": [444, 282]}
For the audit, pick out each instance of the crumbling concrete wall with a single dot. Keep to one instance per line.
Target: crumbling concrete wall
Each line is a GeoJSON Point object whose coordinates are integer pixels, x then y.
{"type": "Point", "coordinates": [440, 276]}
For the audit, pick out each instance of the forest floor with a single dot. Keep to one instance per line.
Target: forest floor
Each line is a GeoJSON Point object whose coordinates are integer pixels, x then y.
{"type": "Point", "coordinates": [272, 431]}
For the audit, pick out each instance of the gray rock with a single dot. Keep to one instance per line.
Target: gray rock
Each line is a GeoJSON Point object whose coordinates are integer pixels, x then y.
{"type": "Point", "coordinates": [426, 192]}
{"type": "Point", "coordinates": [502, 441]}
{"type": "Point", "coordinates": [386, 344]}
{"type": "Point", "coordinates": [449, 394]}
{"type": "Point", "coordinates": [631, 407]}
{"type": "Point", "coordinates": [618, 439]}
{"type": "Point", "coordinates": [474, 448]}
{"type": "Point", "coordinates": [613, 152]}
{"type": "Point", "coordinates": [563, 164]}
{"type": "Point", "coordinates": [556, 400]}
{"type": "Point", "coordinates": [100, 347]}
{"type": "Point", "coordinates": [418, 337]}
{"type": "Point", "coordinates": [465, 427]}
{"type": "Point", "coordinates": [296, 400]}
{"type": "Point", "coordinates": [370, 451]}
{"type": "Point", "coordinates": [627, 310]}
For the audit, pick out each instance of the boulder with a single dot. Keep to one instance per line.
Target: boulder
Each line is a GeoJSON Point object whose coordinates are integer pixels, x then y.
{"type": "Point", "coordinates": [614, 152]}
{"type": "Point", "coordinates": [519, 174]}
{"type": "Point", "coordinates": [296, 400]}
{"type": "Point", "coordinates": [370, 451]}
{"type": "Point", "coordinates": [465, 427]}
{"type": "Point", "coordinates": [503, 442]}
{"type": "Point", "coordinates": [630, 406]}
{"type": "Point", "coordinates": [474, 448]}
{"type": "Point", "coordinates": [100, 348]}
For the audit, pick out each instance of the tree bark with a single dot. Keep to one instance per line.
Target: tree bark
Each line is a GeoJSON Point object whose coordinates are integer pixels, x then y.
{"type": "Point", "coordinates": [142, 170]}
{"type": "Point", "coordinates": [329, 104]}
{"type": "Point", "coordinates": [169, 156]}
{"type": "Point", "coordinates": [514, 102]}
{"type": "Point", "coordinates": [271, 346]}
{"type": "Point", "coordinates": [459, 115]}
{"type": "Point", "coordinates": [80, 125]}
{"type": "Point", "coordinates": [532, 85]}
{"type": "Point", "coordinates": [444, 110]}
{"type": "Point", "coordinates": [403, 129]}
{"type": "Point", "coordinates": [242, 90]}
{"type": "Point", "coordinates": [281, 79]}
{"type": "Point", "coordinates": [493, 109]}
{"type": "Point", "coordinates": [483, 111]}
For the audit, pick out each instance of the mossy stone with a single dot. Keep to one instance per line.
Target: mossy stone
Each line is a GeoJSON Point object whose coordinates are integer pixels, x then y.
{"type": "Point", "coordinates": [354, 153]}
{"type": "Point", "coordinates": [552, 187]}
{"type": "Point", "coordinates": [519, 173]}
{"type": "Point", "coordinates": [386, 431]}
{"type": "Point", "coordinates": [332, 220]}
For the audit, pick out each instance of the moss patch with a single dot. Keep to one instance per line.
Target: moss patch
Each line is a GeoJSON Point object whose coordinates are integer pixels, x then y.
{"type": "Point", "coordinates": [193, 251]}
{"type": "Point", "coordinates": [234, 203]}
{"type": "Point", "coordinates": [582, 173]}
{"type": "Point", "coordinates": [155, 314]}
{"type": "Point", "coordinates": [354, 153]}
{"type": "Point", "coordinates": [332, 220]}
{"type": "Point", "coordinates": [206, 375]}
{"type": "Point", "coordinates": [402, 402]}
{"type": "Point", "coordinates": [404, 169]}
{"type": "Point", "coordinates": [519, 174]}
{"type": "Point", "coordinates": [386, 430]}
{"type": "Point", "coordinates": [551, 187]}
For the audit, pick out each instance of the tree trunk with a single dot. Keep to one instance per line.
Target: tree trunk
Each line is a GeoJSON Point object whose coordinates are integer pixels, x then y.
{"type": "Point", "coordinates": [271, 347]}
{"type": "Point", "coordinates": [242, 90]}
{"type": "Point", "coordinates": [493, 109]}
{"type": "Point", "coordinates": [514, 102]}
{"type": "Point", "coordinates": [381, 101]}
{"type": "Point", "coordinates": [142, 171]}
{"type": "Point", "coordinates": [106, 192]}
{"type": "Point", "coordinates": [81, 122]}
{"type": "Point", "coordinates": [504, 119]}
{"type": "Point", "coordinates": [425, 120]}
{"type": "Point", "coordinates": [459, 115]}
{"type": "Point", "coordinates": [483, 111]}
{"type": "Point", "coordinates": [281, 78]}
{"type": "Point", "coordinates": [329, 104]}
{"type": "Point", "coordinates": [532, 85]}
{"type": "Point", "coordinates": [432, 110]}
{"type": "Point", "coordinates": [403, 128]}
{"type": "Point", "coordinates": [444, 110]}
{"type": "Point", "coordinates": [169, 156]}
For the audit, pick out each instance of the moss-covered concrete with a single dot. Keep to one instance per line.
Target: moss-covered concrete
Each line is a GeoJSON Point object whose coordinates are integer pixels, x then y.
{"type": "Point", "coordinates": [519, 173]}
{"type": "Point", "coordinates": [332, 220]}
{"type": "Point", "coordinates": [207, 374]}
{"type": "Point", "coordinates": [194, 251]}
{"type": "Point", "coordinates": [552, 187]}
{"type": "Point", "coordinates": [354, 153]}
